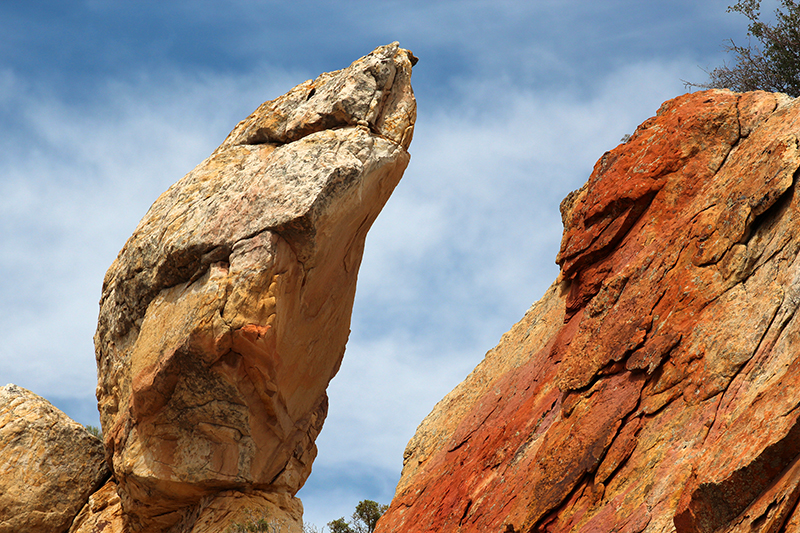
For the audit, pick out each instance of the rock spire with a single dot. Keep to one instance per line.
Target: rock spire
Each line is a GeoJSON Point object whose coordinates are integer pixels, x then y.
{"type": "Point", "coordinates": [227, 312]}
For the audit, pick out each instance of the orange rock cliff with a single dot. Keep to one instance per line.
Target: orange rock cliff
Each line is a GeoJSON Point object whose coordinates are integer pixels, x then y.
{"type": "Point", "coordinates": [656, 385]}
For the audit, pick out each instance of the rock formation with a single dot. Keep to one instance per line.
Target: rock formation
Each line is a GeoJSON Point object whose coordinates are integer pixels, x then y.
{"type": "Point", "coordinates": [102, 513]}
{"type": "Point", "coordinates": [226, 314]}
{"type": "Point", "coordinates": [49, 464]}
{"type": "Point", "coordinates": [656, 385]}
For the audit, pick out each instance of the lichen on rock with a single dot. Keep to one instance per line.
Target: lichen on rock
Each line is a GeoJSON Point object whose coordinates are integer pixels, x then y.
{"type": "Point", "coordinates": [656, 385]}
{"type": "Point", "coordinates": [49, 464]}
{"type": "Point", "coordinates": [226, 314]}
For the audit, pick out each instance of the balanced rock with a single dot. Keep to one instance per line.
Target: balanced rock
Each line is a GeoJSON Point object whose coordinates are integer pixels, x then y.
{"type": "Point", "coordinates": [226, 314]}
{"type": "Point", "coordinates": [49, 464]}
{"type": "Point", "coordinates": [656, 385]}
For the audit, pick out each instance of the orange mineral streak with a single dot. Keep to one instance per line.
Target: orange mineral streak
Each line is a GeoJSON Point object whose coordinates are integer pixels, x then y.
{"type": "Point", "coordinates": [656, 385]}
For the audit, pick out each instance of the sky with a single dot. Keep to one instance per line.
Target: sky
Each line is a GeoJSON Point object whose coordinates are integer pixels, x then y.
{"type": "Point", "coordinates": [104, 104]}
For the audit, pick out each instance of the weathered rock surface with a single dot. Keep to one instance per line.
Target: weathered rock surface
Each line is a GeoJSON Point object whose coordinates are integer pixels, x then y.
{"type": "Point", "coordinates": [214, 514]}
{"type": "Point", "coordinates": [227, 312]}
{"type": "Point", "coordinates": [102, 513]}
{"type": "Point", "coordinates": [49, 464]}
{"type": "Point", "coordinates": [656, 385]}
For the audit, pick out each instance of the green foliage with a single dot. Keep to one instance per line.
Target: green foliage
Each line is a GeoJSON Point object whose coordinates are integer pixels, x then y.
{"type": "Point", "coordinates": [364, 519]}
{"type": "Point", "coordinates": [367, 514]}
{"type": "Point", "coordinates": [96, 431]}
{"type": "Point", "coordinates": [771, 65]}
{"type": "Point", "coordinates": [340, 525]}
{"type": "Point", "coordinates": [255, 524]}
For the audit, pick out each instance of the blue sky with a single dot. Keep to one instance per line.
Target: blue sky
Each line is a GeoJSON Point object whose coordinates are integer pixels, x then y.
{"type": "Point", "coordinates": [104, 104]}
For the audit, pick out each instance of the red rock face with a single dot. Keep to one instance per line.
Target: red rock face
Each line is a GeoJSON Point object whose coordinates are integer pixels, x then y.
{"type": "Point", "coordinates": [656, 385]}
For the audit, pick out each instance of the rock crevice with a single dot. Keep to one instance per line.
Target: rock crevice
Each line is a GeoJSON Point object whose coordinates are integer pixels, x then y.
{"type": "Point", "coordinates": [658, 389]}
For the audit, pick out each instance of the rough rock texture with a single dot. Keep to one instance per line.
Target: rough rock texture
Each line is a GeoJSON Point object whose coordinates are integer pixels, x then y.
{"type": "Point", "coordinates": [102, 513]}
{"type": "Point", "coordinates": [656, 385]}
{"type": "Point", "coordinates": [227, 312]}
{"type": "Point", "coordinates": [49, 464]}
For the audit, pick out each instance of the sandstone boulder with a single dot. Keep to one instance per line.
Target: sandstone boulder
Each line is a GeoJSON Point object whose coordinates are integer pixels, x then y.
{"type": "Point", "coordinates": [49, 464]}
{"type": "Point", "coordinates": [226, 314]}
{"type": "Point", "coordinates": [656, 385]}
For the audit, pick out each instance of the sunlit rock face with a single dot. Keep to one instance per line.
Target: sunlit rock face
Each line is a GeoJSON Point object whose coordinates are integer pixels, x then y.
{"type": "Point", "coordinates": [226, 314]}
{"type": "Point", "coordinates": [656, 385]}
{"type": "Point", "coordinates": [49, 464]}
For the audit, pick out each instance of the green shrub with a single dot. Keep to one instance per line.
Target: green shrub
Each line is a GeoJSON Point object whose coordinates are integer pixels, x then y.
{"type": "Point", "coordinates": [365, 518]}
{"type": "Point", "coordinates": [255, 524]}
{"type": "Point", "coordinates": [770, 64]}
{"type": "Point", "coordinates": [94, 430]}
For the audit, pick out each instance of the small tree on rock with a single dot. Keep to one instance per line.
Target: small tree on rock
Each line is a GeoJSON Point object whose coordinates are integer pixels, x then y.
{"type": "Point", "coordinates": [364, 519]}
{"type": "Point", "coordinates": [340, 525]}
{"type": "Point", "coordinates": [771, 65]}
{"type": "Point", "coordinates": [366, 516]}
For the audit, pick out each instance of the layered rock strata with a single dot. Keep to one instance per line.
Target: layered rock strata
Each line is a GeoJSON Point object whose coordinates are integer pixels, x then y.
{"type": "Point", "coordinates": [226, 314]}
{"type": "Point", "coordinates": [49, 464]}
{"type": "Point", "coordinates": [656, 385]}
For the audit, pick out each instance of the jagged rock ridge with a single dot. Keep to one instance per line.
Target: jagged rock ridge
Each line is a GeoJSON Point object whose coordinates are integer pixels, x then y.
{"type": "Point", "coordinates": [656, 385]}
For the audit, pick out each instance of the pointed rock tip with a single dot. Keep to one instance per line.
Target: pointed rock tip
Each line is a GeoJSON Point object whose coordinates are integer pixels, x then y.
{"type": "Point", "coordinates": [373, 92]}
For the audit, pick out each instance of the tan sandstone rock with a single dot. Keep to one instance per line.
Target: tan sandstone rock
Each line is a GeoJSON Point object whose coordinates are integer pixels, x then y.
{"type": "Point", "coordinates": [49, 464]}
{"type": "Point", "coordinates": [227, 312]}
{"type": "Point", "coordinates": [656, 385]}
{"type": "Point", "coordinates": [102, 513]}
{"type": "Point", "coordinates": [279, 509]}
